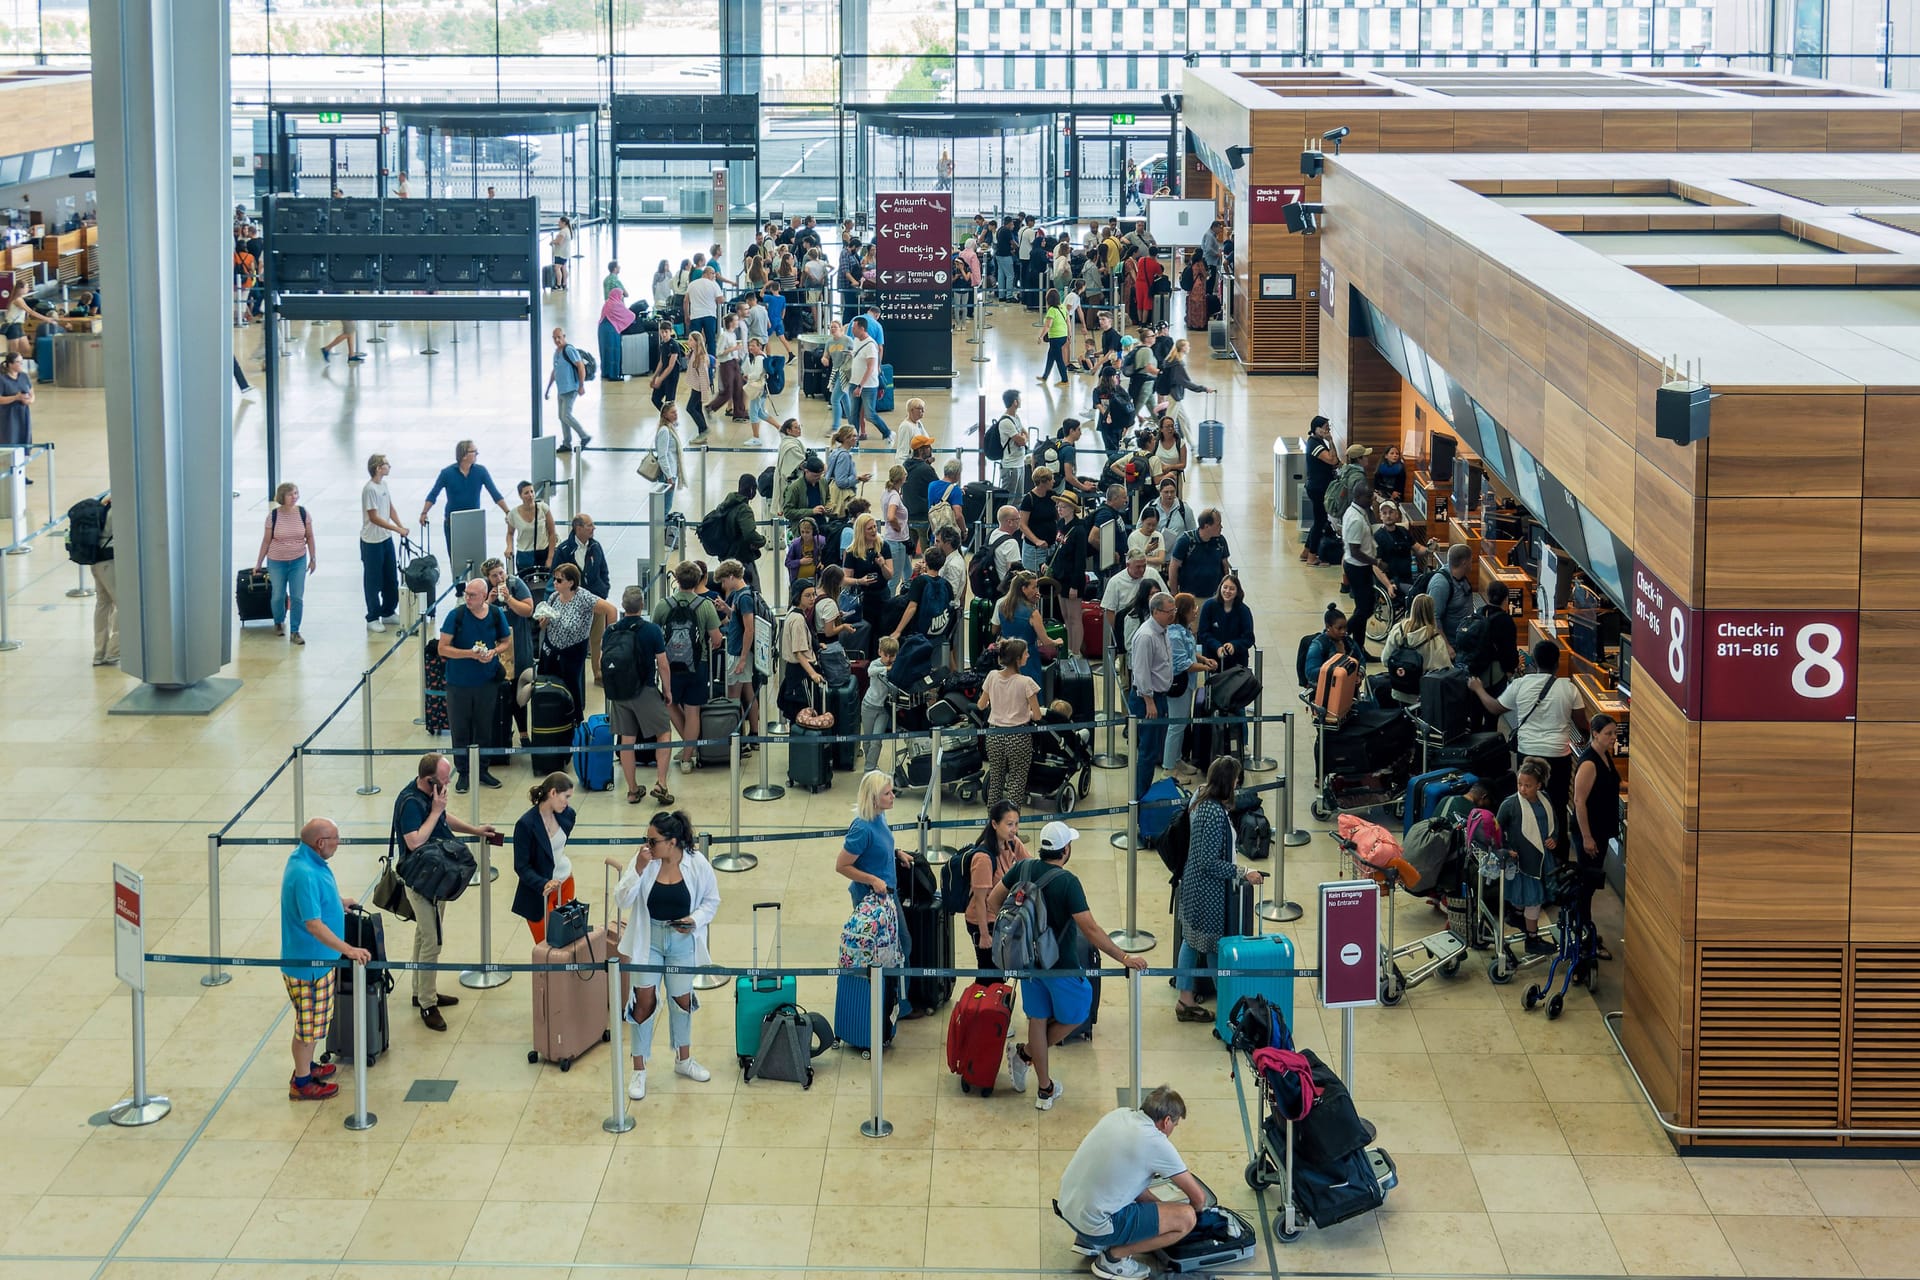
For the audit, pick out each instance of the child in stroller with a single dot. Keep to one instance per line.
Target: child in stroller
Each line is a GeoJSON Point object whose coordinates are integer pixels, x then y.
{"type": "Point", "coordinates": [1062, 768]}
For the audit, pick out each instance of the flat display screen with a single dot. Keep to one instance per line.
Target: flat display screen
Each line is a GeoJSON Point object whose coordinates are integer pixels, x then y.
{"type": "Point", "coordinates": [1601, 565]}
{"type": "Point", "coordinates": [1387, 340]}
{"type": "Point", "coordinates": [1562, 513]}
{"type": "Point", "coordinates": [1468, 428]}
{"type": "Point", "coordinates": [1417, 369]}
{"type": "Point", "coordinates": [1178, 222]}
{"type": "Point", "coordinates": [1443, 388]}
{"type": "Point", "coordinates": [1526, 479]}
{"type": "Point", "coordinates": [1493, 446]}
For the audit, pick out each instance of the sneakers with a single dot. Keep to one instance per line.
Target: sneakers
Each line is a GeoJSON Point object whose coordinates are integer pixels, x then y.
{"type": "Point", "coordinates": [323, 1070]}
{"type": "Point", "coordinates": [357, 359]}
{"type": "Point", "coordinates": [586, 441]}
{"type": "Point", "coordinates": [377, 627]}
{"type": "Point", "coordinates": [488, 780]}
{"type": "Point", "coordinates": [1017, 1067]}
{"type": "Point", "coordinates": [326, 357]}
{"type": "Point", "coordinates": [1109, 1267]}
{"type": "Point", "coordinates": [313, 1090]}
{"type": "Point", "coordinates": [1084, 1250]}
{"type": "Point", "coordinates": [637, 1086]}
{"type": "Point", "coordinates": [692, 1070]}
{"type": "Point", "coordinates": [391, 620]}
{"type": "Point", "coordinates": [297, 638]}
{"type": "Point", "coordinates": [1539, 946]}
{"type": "Point", "coordinates": [1043, 1099]}
{"type": "Point", "coordinates": [460, 786]}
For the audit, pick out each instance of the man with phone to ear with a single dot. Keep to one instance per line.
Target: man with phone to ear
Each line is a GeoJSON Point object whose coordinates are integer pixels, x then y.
{"type": "Point", "coordinates": [420, 815]}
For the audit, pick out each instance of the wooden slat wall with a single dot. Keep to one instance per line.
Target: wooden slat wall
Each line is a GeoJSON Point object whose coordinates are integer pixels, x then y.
{"type": "Point", "coordinates": [52, 112]}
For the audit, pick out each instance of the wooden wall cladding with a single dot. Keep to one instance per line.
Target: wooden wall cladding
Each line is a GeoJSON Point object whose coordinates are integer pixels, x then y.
{"type": "Point", "coordinates": [1883, 1042]}
{"type": "Point", "coordinates": [54, 112]}
{"type": "Point", "coordinates": [1790, 131]}
{"type": "Point", "coordinates": [1889, 565]}
{"type": "Point", "coordinates": [1776, 777]}
{"type": "Point", "coordinates": [1744, 877]}
{"type": "Point", "coordinates": [1886, 760]}
{"type": "Point", "coordinates": [1666, 754]}
{"type": "Point", "coordinates": [1639, 130]}
{"type": "Point", "coordinates": [1762, 445]}
{"type": "Point", "coordinates": [1668, 525]}
{"type": "Point", "coordinates": [1889, 678]}
{"type": "Point", "coordinates": [1892, 425]}
{"type": "Point", "coordinates": [1784, 553]}
{"type": "Point", "coordinates": [1878, 912]}
{"type": "Point", "coordinates": [1658, 964]}
{"type": "Point", "coordinates": [1761, 1006]}
{"type": "Point", "coordinates": [1378, 391]}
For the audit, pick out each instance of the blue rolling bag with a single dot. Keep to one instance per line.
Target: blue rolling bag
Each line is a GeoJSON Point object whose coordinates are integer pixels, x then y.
{"type": "Point", "coordinates": [593, 768]}
{"type": "Point", "coordinates": [1425, 793]}
{"type": "Point", "coordinates": [1273, 951]}
{"type": "Point", "coordinates": [754, 997]}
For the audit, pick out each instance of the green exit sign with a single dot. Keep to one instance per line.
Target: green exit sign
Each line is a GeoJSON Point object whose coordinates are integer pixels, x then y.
{"type": "Point", "coordinates": [329, 117]}
{"type": "Point", "coordinates": [1123, 118]}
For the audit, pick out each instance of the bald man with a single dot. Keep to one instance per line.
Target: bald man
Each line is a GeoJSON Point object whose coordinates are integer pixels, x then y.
{"type": "Point", "coordinates": [313, 915]}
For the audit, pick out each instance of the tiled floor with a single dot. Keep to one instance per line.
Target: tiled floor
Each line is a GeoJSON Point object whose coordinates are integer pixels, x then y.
{"type": "Point", "coordinates": [1522, 1145]}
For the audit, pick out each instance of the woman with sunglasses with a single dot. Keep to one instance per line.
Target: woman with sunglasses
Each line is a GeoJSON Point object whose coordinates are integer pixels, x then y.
{"type": "Point", "coordinates": [669, 894]}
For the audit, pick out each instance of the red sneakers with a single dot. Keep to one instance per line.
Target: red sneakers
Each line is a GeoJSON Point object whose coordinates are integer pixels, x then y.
{"type": "Point", "coordinates": [314, 1090]}
{"type": "Point", "coordinates": [323, 1070]}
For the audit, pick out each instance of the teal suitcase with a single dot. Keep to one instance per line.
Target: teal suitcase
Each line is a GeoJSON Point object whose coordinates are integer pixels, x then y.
{"type": "Point", "coordinates": [756, 996]}
{"type": "Point", "coordinates": [1274, 951]}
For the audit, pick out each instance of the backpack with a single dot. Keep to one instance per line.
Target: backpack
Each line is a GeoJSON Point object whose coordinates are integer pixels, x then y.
{"type": "Point", "coordinates": [982, 576]}
{"type": "Point", "coordinates": [776, 374]}
{"type": "Point", "coordinates": [1172, 847]}
{"type": "Point", "coordinates": [940, 511]}
{"type": "Point", "coordinates": [1472, 647]}
{"type": "Point", "coordinates": [762, 630]}
{"type": "Point", "coordinates": [936, 604]}
{"type": "Point", "coordinates": [991, 444]}
{"type": "Point", "coordinates": [1023, 938]}
{"type": "Point", "coordinates": [1351, 477]}
{"type": "Point", "coordinates": [716, 538]}
{"type": "Point", "coordinates": [86, 531]}
{"type": "Point", "coordinates": [790, 1039]}
{"type": "Point", "coordinates": [685, 646]}
{"type": "Point", "coordinates": [1047, 454]}
{"type": "Point", "coordinates": [620, 673]}
{"type": "Point", "coordinates": [273, 519]}
{"type": "Point", "coordinates": [1405, 666]}
{"type": "Point", "coordinates": [912, 663]}
{"type": "Point", "coordinates": [766, 484]}
{"type": "Point", "coordinates": [589, 367]}
{"type": "Point", "coordinates": [956, 880]}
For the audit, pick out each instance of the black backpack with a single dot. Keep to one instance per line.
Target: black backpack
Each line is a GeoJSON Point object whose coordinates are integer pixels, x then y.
{"type": "Point", "coordinates": [620, 673]}
{"type": "Point", "coordinates": [991, 444]}
{"type": "Point", "coordinates": [1405, 666]}
{"type": "Point", "coordinates": [956, 880]}
{"type": "Point", "coordinates": [1172, 846]}
{"type": "Point", "coordinates": [86, 531]}
{"type": "Point", "coordinates": [982, 576]}
{"type": "Point", "coordinates": [1473, 646]}
{"type": "Point", "coordinates": [716, 537]}
{"type": "Point", "coordinates": [766, 483]}
{"type": "Point", "coordinates": [1047, 454]}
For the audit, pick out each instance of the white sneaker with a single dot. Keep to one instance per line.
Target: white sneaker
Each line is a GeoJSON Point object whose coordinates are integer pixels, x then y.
{"type": "Point", "coordinates": [692, 1070]}
{"type": "Point", "coordinates": [1109, 1267]}
{"type": "Point", "coordinates": [637, 1086]}
{"type": "Point", "coordinates": [391, 620]}
{"type": "Point", "coordinates": [377, 627]}
{"type": "Point", "coordinates": [1043, 1100]}
{"type": "Point", "coordinates": [1017, 1067]}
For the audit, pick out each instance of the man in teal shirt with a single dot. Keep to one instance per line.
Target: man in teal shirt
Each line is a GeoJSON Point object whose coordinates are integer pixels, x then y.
{"type": "Point", "coordinates": [313, 915]}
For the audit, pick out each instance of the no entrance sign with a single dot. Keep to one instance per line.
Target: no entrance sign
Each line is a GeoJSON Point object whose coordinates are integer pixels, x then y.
{"type": "Point", "coordinates": [1349, 944]}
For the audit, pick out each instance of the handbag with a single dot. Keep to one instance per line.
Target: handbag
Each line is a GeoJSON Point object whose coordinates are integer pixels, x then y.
{"type": "Point", "coordinates": [567, 924]}
{"type": "Point", "coordinates": [438, 870]}
{"type": "Point", "coordinates": [650, 468]}
{"type": "Point", "coordinates": [1513, 739]}
{"type": "Point", "coordinates": [389, 894]}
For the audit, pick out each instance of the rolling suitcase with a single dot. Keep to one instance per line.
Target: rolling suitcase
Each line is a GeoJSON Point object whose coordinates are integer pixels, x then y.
{"type": "Point", "coordinates": [1213, 436]}
{"type": "Point", "coordinates": [1335, 689]}
{"type": "Point", "coordinates": [1093, 631]}
{"type": "Point", "coordinates": [1483, 754]}
{"type": "Point", "coordinates": [755, 996]}
{"type": "Point", "coordinates": [1217, 337]}
{"type": "Point", "coordinates": [809, 754]}
{"type": "Point", "coordinates": [1426, 792]}
{"type": "Point", "coordinates": [636, 354]}
{"type": "Point", "coordinates": [570, 1006]}
{"type": "Point", "coordinates": [979, 627]}
{"type": "Point", "coordinates": [1073, 681]}
{"type": "Point", "coordinates": [813, 379]}
{"type": "Point", "coordinates": [253, 596]}
{"type": "Point", "coordinates": [433, 683]}
{"type": "Point", "coordinates": [977, 1035]}
{"type": "Point", "coordinates": [720, 719]}
{"type": "Point", "coordinates": [929, 929]}
{"type": "Point", "coordinates": [550, 724]}
{"type": "Point", "coordinates": [548, 277]}
{"type": "Point", "coordinates": [503, 705]}
{"type": "Point", "coordinates": [1274, 951]}
{"type": "Point", "coordinates": [977, 498]}
{"type": "Point", "coordinates": [593, 768]}
{"type": "Point", "coordinates": [853, 1010]}
{"type": "Point", "coordinates": [363, 929]}
{"type": "Point", "coordinates": [844, 702]}
{"type": "Point", "coordinates": [1089, 959]}
{"type": "Point", "coordinates": [1446, 704]}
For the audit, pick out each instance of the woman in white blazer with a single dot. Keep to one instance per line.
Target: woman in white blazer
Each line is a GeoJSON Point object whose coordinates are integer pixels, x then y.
{"type": "Point", "coordinates": [668, 895]}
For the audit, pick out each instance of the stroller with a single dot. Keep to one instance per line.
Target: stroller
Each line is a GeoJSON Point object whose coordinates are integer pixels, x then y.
{"type": "Point", "coordinates": [1432, 860]}
{"type": "Point", "coordinates": [951, 713]}
{"type": "Point", "coordinates": [1062, 768]}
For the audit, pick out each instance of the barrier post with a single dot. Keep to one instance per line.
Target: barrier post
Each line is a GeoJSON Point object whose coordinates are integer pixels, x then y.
{"type": "Point", "coordinates": [1109, 759]}
{"type": "Point", "coordinates": [735, 858]}
{"type": "Point", "coordinates": [779, 550]}
{"type": "Point", "coordinates": [140, 1109]}
{"type": "Point", "coordinates": [704, 499]}
{"type": "Point", "coordinates": [980, 326]}
{"type": "Point", "coordinates": [619, 1117]}
{"type": "Point", "coordinates": [934, 788]}
{"type": "Point", "coordinates": [1277, 907]}
{"type": "Point", "coordinates": [7, 643]}
{"type": "Point", "coordinates": [1133, 938]}
{"type": "Point", "coordinates": [766, 788]}
{"type": "Point", "coordinates": [82, 590]}
{"type": "Point", "coordinates": [299, 790]}
{"type": "Point", "coordinates": [361, 1119]}
{"type": "Point", "coordinates": [1291, 837]}
{"type": "Point", "coordinates": [486, 977]}
{"type": "Point", "coordinates": [1133, 1046]}
{"type": "Point", "coordinates": [1130, 837]}
{"type": "Point", "coordinates": [53, 483]}
{"type": "Point", "coordinates": [1346, 1044]}
{"type": "Point", "coordinates": [1258, 761]}
{"type": "Point", "coordinates": [215, 976]}
{"type": "Point", "coordinates": [366, 787]}
{"type": "Point", "coordinates": [657, 534]}
{"type": "Point", "coordinates": [877, 1125]}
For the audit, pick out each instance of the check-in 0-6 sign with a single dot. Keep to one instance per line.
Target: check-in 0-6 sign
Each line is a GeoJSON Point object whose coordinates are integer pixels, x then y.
{"type": "Point", "coordinates": [1349, 944]}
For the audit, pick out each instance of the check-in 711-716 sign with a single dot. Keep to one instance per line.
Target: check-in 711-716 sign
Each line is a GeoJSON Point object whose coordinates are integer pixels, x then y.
{"type": "Point", "coordinates": [912, 236]}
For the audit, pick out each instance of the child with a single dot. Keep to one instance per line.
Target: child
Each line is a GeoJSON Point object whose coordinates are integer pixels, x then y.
{"type": "Point", "coordinates": [1533, 834]}
{"type": "Point", "coordinates": [873, 708]}
{"type": "Point", "coordinates": [1089, 356]}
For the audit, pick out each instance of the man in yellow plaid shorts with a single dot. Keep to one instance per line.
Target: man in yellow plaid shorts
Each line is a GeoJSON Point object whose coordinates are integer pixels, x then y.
{"type": "Point", "coordinates": [313, 915]}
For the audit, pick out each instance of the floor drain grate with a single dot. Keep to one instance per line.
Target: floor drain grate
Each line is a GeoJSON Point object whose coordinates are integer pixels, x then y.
{"type": "Point", "coordinates": [431, 1091]}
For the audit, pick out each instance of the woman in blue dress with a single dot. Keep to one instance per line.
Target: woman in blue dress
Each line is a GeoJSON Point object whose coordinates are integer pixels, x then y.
{"type": "Point", "coordinates": [1016, 617]}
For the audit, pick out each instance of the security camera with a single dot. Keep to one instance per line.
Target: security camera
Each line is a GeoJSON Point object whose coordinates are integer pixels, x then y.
{"type": "Point", "coordinates": [1302, 218]}
{"type": "Point", "coordinates": [1334, 136]}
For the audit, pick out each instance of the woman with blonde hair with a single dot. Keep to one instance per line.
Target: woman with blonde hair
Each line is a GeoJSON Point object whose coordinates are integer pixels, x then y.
{"type": "Point", "coordinates": [843, 479]}
{"type": "Point", "coordinates": [895, 530]}
{"type": "Point", "coordinates": [287, 556]}
{"type": "Point", "coordinates": [699, 381]}
{"type": "Point", "coordinates": [868, 566]}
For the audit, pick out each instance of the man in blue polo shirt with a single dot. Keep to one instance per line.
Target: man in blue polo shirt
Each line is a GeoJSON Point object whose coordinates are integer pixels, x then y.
{"type": "Point", "coordinates": [462, 483]}
{"type": "Point", "coordinates": [313, 915]}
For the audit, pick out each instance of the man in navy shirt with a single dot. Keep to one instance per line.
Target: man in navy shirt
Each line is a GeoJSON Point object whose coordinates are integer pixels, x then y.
{"type": "Point", "coordinates": [462, 483]}
{"type": "Point", "coordinates": [472, 639]}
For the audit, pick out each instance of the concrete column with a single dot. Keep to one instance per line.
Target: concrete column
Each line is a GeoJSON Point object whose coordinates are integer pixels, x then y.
{"type": "Point", "coordinates": [161, 131]}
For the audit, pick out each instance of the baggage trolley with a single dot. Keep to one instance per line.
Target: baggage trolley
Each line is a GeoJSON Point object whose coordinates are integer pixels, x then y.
{"type": "Point", "coordinates": [1272, 1163]}
{"type": "Point", "coordinates": [1442, 953]}
{"type": "Point", "coordinates": [1337, 792]}
{"type": "Point", "coordinates": [1494, 865]}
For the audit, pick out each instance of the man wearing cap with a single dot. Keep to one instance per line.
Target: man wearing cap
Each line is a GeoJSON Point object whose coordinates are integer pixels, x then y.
{"type": "Point", "coordinates": [1073, 552]}
{"type": "Point", "coordinates": [1054, 1005]}
{"type": "Point", "coordinates": [921, 477]}
{"type": "Point", "coordinates": [1149, 676]}
{"type": "Point", "coordinates": [806, 493]}
{"type": "Point", "coordinates": [1351, 475]}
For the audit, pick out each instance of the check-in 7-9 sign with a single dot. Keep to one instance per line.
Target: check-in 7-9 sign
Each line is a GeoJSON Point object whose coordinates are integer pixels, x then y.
{"type": "Point", "coordinates": [1349, 944]}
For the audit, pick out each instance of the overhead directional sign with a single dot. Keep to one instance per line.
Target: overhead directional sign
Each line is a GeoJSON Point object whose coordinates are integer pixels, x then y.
{"type": "Point", "coordinates": [913, 239]}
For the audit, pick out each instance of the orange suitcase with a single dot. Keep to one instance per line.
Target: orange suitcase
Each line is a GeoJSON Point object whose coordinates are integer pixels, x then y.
{"type": "Point", "coordinates": [1338, 685]}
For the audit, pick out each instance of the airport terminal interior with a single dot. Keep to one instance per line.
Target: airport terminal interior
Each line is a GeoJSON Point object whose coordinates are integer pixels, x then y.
{"type": "Point", "coordinates": [1627, 288]}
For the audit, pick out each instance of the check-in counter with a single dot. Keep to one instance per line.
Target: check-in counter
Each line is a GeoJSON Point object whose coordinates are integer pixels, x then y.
{"type": "Point", "coordinates": [64, 256]}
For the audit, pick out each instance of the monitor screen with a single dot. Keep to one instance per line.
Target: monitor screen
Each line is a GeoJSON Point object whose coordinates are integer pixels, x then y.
{"type": "Point", "coordinates": [1601, 564]}
{"type": "Point", "coordinates": [1493, 445]}
{"type": "Point", "coordinates": [1440, 463]}
{"type": "Point", "coordinates": [1467, 427]}
{"type": "Point", "coordinates": [1561, 511]}
{"type": "Point", "coordinates": [1549, 584]}
{"type": "Point", "coordinates": [1442, 397]}
{"type": "Point", "coordinates": [1386, 339]}
{"type": "Point", "coordinates": [1466, 489]}
{"type": "Point", "coordinates": [1623, 665]}
{"type": "Point", "coordinates": [1526, 479]}
{"type": "Point", "coordinates": [1416, 370]}
{"type": "Point", "coordinates": [1180, 223]}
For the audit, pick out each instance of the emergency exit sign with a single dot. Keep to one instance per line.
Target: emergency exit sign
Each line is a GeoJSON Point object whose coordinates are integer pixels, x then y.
{"type": "Point", "coordinates": [329, 117]}
{"type": "Point", "coordinates": [1123, 118]}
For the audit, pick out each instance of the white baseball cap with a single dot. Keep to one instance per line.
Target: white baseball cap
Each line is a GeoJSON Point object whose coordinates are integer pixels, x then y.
{"type": "Point", "coordinates": [1056, 836]}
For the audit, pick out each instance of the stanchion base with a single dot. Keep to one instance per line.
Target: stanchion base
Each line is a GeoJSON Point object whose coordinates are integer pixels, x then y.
{"type": "Point", "coordinates": [734, 862]}
{"type": "Point", "coordinates": [80, 593]}
{"type": "Point", "coordinates": [215, 979]}
{"type": "Point", "coordinates": [618, 1124]}
{"type": "Point", "coordinates": [1118, 840]}
{"type": "Point", "coordinates": [493, 873]}
{"type": "Point", "coordinates": [360, 1125]}
{"type": "Point", "coordinates": [429, 351]}
{"type": "Point", "coordinates": [375, 338]}
{"type": "Point", "coordinates": [1133, 941]}
{"type": "Point", "coordinates": [1295, 838]}
{"type": "Point", "coordinates": [764, 791]}
{"type": "Point", "coordinates": [129, 1116]}
{"type": "Point", "coordinates": [1279, 912]}
{"type": "Point", "coordinates": [484, 979]}
{"type": "Point", "coordinates": [1262, 764]}
{"type": "Point", "coordinates": [1110, 762]}
{"type": "Point", "coordinates": [876, 1127]}
{"type": "Point", "coordinates": [21, 550]}
{"type": "Point", "coordinates": [709, 982]}
{"type": "Point", "coordinates": [8, 646]}
{"type": "Point", "coordinates": [366, 791]}
{"type": "Point", "coordinates": [982, 360]}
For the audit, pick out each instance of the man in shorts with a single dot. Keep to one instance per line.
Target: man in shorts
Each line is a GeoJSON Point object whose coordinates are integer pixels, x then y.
{"type": "Point", "coordinates": [1104, 1196]}
{"type": "Point", "coordinates": [1055, 1006]}
{"type": "Point", "coordinates": [313, 915]}
{"type": "Point", "coordinates": [698, 624]}
{"type": "Point", "coordinates": [646, 716]}
{"type": "Point", "coordinates": [743, 678]}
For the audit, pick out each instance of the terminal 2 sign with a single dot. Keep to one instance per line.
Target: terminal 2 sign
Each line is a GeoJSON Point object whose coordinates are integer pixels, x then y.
{"type": "Point", "coordinates": [1745, 664]}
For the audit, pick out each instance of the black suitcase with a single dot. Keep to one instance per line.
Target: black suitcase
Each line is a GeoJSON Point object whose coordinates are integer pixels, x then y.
{"type": "Point", "coordinates": [1446, 704]}
{"type": "Point", "coordinates": [363, 929]}
{"type": "Point", "coordinates": [809, 754]}
{"type": "Point", "coordinates": [957, 762]}
{"type": "Point", "coordinates": [550, 722]}
{"type": "Point", "coordinates": [503, 704]}
{"type": "Point", "coordinates": [1088, 959]}
{"type": "Point", "coordinates": [844, 702]}
{"type": "Point", "coordinates": [813, 380]}
{"type": "Point", "coordinates": [719, 719]}
{"type": "Point", "coordinates": [978, 499]}
{"type": "Point", "coordinates": [253, 596]}
{"type": "Point", "coordinates": [1484, 755]}
{"type": "Point", "coordinates": [1073, 681]}
{"type": "Point", "coordinates": [929, 933]}
{"type": "Point", "coordinates": [858, 642]}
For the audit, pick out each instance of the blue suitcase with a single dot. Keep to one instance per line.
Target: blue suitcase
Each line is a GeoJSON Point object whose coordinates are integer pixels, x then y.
{"type": "Point", "coordinates": [1274, 951]}
{"type": "Point", "coordinates": [43, 354]}
{"type": "Point", "coordinates": [853, 1009]}
{"type": "Point", "coordinates": [756, 997]}
{"type": "Point", "coordinates": [883, 402]}
{"type": "Point", "coordinates": [593, 768]}
{"type": "Point", "coordinates": [1213, 440]}
{"type": "Point", "coordinates": [1426, 791]}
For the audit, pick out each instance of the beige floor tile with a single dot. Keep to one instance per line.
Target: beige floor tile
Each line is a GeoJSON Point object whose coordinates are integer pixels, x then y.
{"type": "Point", "coordinates": [1494, 1128]}
{"type": "Point", "coordinates": [1499, 1077]}
{"type": "Point", "coordinates": [1415, 1127]}
{"type": "Point", "coordinates": [1860, 1188]}
{"type": "Point", "coordinates": [1671, 1245]}
{"type": "Point", "coordinates": [903, 1178]}
{"type": "Point", "coordinates": [413, 1230]}
{"type": "Point", "coordinates": [442, 1171]}
{"type": "Point", "coordinates": [1786, 1245]}
{"type": "Point", "coordinates": [347, 1169]}
{"type": "Point", "coordinates": [213, 1168]}
{"type": "Point", "coordinates": [1556, 1244]}
{"type": "Point", "coordinates": [996, 1239]}
{"type": "Point", "coordinates": [767, 1175]}
{"type": "Point", "coordinates": [192, 1227]}
{"type": "Point", "coordinates": [848, 1236]}
{"type": "Point", "coordinates": [998, 1123]}
{"type": "Point", "coordinates": [1350, 1247]}
{"type": "Point", "coordinates": [1610, 1129]}
{"type": "Point", "coordinates": [753, 1235]}
{"type": "Point", "coordinates": [70, 1225]}
{"type": "Point", "coordinates": [116, 1169]}
{"type": "Point", "coordinates": [162, 1271]}
{"type": "Point", "coordinates": [1387, 1077]}
{"type": "Point", "coordinates": [1584, 1078]}
{"type": "Point", "coordinates": [650, 1234]}
{"type": "Point", "coordinates": [1634, 1185]}
{"type": "Point", "coordinates": [659, 1175]}
{"type": "Point", "coordinates": [1531, 1184]}
{"type": "Point", "coordinates": [1478, 1032]}
{"type": "Point", "coordinates": [527, 1231]}
{"type": "Point", "coordinates": [1752, 1187]}
{"type": "Point", "coordinates": [1441, 1243]}
{"type": "Point", "coordinates": [550, 1171]}
{"type": "Point", "coordinates": [1880, 1246]}
{"type": "Point", "coordinates": [470, 1116]}
{"type": "Point", "coordinates": [796, 1120]}
{"type": "Point", "coordinates": [377, 1271]}
{"type": "Point", "coordinates": [302, 1229]}
{"type": "Point", "coordinates": [1435, 1184]}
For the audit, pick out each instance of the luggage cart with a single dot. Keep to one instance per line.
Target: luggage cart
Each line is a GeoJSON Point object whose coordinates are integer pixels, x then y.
{"type": "Point", "coordinates": [1272, 1163]}
{"type": "Point", "coordinates": [1340, 791]}
{"type": "Point", "coordinates": [1492, 866]}
{"type": "Point", "coordinates": [1442, 953]}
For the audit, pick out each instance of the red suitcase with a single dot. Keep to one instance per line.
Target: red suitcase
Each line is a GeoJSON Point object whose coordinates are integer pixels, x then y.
{"type": "Point", "coordinates": [977, 1035]}
{"type": "Point", "coordinates": [1093, 621]}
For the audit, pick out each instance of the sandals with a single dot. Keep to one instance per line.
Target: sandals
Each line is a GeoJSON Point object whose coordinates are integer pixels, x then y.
{"type": "Point", "coordinates": [635, 795]}
{"type": "Point", "coordinates": [661, 794]}
{"type": "Point", "coordinates": [1192, 1013]}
